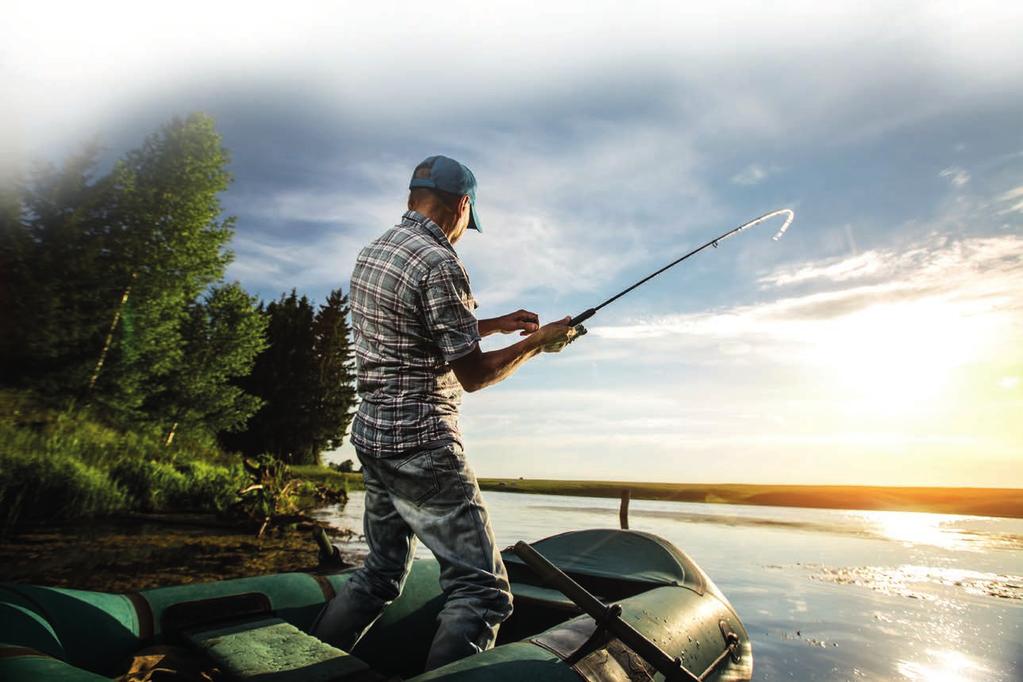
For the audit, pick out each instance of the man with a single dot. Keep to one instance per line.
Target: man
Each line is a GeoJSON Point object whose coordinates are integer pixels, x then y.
{"type": "Point", "coordinates": [417, 348]}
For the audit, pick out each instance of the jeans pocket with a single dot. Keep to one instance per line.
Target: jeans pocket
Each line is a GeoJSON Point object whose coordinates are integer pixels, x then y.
{"type": "Point", "coordinates": [413, 478]}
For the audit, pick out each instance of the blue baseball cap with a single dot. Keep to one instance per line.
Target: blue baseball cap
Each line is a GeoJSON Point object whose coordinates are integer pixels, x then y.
{"type": "Point", "coordinates": [447, 175]}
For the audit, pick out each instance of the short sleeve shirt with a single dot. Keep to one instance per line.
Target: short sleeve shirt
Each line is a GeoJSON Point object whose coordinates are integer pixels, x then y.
{"type": "Point", "coordinates": [413, 313]}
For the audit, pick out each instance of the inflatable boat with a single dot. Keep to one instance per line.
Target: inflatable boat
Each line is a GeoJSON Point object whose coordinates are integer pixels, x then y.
{"type": "Point", "coordinates": [596, 605]}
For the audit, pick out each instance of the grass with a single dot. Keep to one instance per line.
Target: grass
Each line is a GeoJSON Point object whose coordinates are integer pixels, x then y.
{"type": "Point", "coordinates": [56, 465]}
{"type": "Point", "coordinates": [324, 475]}
{"type": "Point", "coordinates": [978, 501]}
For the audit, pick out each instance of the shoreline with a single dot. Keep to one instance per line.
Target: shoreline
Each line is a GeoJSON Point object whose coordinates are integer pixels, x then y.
{"type": "Point", "coordinates": [998, 502]}
{"type": "Point", "coordinates": [135, 552]}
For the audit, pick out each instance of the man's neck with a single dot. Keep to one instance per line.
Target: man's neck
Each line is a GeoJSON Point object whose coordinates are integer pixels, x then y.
{"type": "Point", "coordinates": [447, 229]}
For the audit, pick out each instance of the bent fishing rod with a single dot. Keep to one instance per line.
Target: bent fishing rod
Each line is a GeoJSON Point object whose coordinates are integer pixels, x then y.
{"type": "Point", "coordinates": [587, 314]}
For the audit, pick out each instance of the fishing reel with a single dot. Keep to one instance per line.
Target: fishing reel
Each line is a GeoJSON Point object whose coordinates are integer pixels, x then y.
{"type": "Point", "coordinates": [578, 330]}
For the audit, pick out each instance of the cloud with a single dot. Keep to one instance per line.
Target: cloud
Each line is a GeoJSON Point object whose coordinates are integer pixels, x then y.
{"type": "Point", "coordinates": [832, 270]}
{"type": "Point", "coordinates": [935, 294]}
{"type": "Point", "coordinates": [1014, 197]}
{"type": "Point", "coordinates": [76, 68]}
{"type": "Point", "coordinates": [752, 174]}
{"type": "Point", "coordinates": [897, 359]}
{"type": "Point", "coordinates": [551, 230]}
{"type": "Point", "coordinates": [956, 176]}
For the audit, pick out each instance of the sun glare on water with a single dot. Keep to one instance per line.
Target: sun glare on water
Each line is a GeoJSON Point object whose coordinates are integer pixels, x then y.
{"type": "Point", "coordinates": [913, 528]}
{"type": "Point", "coordinates": [944, 666]}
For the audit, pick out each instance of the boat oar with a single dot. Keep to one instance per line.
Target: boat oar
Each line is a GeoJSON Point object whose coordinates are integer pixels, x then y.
{"type": "Point", "coordinates": [607, 617]}
{"type": "Point", "coordinates": [590, 312]}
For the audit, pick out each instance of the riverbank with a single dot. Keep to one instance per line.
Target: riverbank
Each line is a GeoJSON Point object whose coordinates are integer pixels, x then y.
{"type": "Point", "coordinates": [135, 553]}
{"type": "Point", "coordinates": [1004, 502]}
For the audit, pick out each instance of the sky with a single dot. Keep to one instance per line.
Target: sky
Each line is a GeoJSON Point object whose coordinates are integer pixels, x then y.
{"type": "Point", "coordinates": [879, 342]}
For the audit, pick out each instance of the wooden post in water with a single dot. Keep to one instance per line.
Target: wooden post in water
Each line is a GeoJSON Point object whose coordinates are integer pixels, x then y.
{"type": "Point", "coordinates": [623, 511]}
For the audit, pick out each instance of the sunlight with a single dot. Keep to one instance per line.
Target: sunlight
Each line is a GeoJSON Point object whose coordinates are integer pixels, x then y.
{"type": "Point", "coordinates": [945, 666]}
{"type": "Point", "coordinates": [917, 528]}
{"type": "Point", "coordinates": [898, 359]}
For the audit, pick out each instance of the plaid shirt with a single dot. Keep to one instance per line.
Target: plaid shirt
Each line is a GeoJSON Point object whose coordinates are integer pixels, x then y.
{"type": "Point", "coordinates": [412, 314]}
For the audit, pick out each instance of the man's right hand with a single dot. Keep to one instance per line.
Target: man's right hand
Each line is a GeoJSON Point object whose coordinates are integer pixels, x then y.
{"type": "Point", "coordinates": [476, 369]}
{"type": "Point", "coordinates": [554, 336]}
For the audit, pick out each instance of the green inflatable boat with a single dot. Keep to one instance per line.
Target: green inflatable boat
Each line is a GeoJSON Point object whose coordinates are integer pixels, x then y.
{"type": "Point", "coordinates": [591, 604]}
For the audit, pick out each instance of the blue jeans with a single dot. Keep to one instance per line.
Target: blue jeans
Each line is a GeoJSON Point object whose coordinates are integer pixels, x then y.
{"type": "Point", "coordinates": [432, 495]}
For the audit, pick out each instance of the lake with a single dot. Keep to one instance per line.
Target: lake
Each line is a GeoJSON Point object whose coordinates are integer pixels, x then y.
{"type": "Point", "coordinates": [825, 594]}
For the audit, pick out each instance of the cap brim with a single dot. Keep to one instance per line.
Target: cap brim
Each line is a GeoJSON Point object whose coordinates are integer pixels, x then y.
{"type": "Point", "coordinates": [474, 220]}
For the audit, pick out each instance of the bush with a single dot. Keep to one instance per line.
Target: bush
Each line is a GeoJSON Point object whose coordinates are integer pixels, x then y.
{"type": "Point", "coordinates": [210, 487]}
{"type": "Point", "coordinates": [154, 486]}
{"type": "Point", "coordinates": [53, 487]}
{"type": "Point", "coordinates": [69, 465]}
{"type": "Point", "coordinates": [62, 466]}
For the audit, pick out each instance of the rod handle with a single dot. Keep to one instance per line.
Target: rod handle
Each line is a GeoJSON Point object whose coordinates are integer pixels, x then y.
{"type": "Point", "coordinates": [582, 317]}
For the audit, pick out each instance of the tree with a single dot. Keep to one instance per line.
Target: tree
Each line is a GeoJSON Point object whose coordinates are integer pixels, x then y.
{"type": "Point", "coordinates": [335, 379]}
{"type": "Point", "coordinates": [282, 378]}
{"type": "Point", "coordinates": [101, 278]}
{"type": "Point", "coordinates": [223, 334]}
{"type": "Point", "coordinates": [305, 378]}
{"type": "Point", "coordinates": [170, 244]}
{"type": "Point", "coordinates": [54, 259]}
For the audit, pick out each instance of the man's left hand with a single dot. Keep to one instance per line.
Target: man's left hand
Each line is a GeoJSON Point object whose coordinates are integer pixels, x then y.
{"type": "Point", "coordinates": [522, 321]}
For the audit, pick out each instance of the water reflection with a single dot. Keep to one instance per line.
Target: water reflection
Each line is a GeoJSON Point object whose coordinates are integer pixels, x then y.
{"type": "Point", "coordinates": [827, 594]}
{"type": "Point", "coordinates": [945, 666]}
{"type": "Point", "coordinates": [925, 582]}
{"type": "Point", "coordinates": [917, 528]}
{"type": "Point", "coordinates": [944, 531]}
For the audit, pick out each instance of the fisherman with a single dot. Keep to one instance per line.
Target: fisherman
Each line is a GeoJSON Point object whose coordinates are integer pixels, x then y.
{"type": "Point", "coordinates": [416, 349]}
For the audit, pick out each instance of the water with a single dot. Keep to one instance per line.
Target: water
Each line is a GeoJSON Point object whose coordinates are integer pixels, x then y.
{"type": "Point", "coordinates": [825, 594]}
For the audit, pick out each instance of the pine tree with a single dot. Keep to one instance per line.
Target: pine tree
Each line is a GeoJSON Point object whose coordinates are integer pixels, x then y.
{"type": "Point", "coordinates": [281, 378]}
{"type": "Point", "coordinates": [306, 380]}
{"type": "Point", "coordinates": [335, 376]}
{"type": "Point", "coordinates": [55, 255]}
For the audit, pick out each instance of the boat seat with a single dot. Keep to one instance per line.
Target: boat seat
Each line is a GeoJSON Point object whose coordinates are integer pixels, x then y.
{"type": "Point", "coordinates": [272, 650]}
{"type": "Point", "coordinates": [543, 595]}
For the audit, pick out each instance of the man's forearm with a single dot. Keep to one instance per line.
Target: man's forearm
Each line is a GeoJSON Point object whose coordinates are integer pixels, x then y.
{"type": "Point", "coordinates": [489, 326]}
{"type": "Point", "coordinates": [497, 365]}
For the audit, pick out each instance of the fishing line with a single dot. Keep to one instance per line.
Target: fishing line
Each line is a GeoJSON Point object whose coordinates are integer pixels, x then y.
{"type": "Point", "coordinates": [587, 314]}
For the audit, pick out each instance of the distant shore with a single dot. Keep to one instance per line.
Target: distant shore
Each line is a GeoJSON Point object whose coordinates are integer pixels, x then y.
{"type": "Point", "coordinates": [1005, 502]}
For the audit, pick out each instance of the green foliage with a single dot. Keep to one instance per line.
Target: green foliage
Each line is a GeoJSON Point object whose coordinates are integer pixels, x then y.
{"type": "Point", "coordinates": [210, 487]}
{"type": "Point", "coordinates": [335, 396]}
{"type": "Point", "coordinates": [155, 486]}
{"type": "Point", "coordinates": [277, 492]}
{"type": "Point", "coordinates": [63, 466]}
{"type": "Point", "coordinates": [170, 243]}
{"type": "Point", "coordinates": [53, 487]}
{"type": "Point", "coordinates": [306, 378]}
{"type": "Point", "coordinates": [55, 262]}
{"type": "Point", "coordinates": [112, 268]}
{"type": "Point", "coordinates": [223, 334]}
{"type": "Point", "coordinates": [327, 477]}
{"type": "Point", "coordinates": [345, 467]}
{"type": "Point", "coordinates": [271, 491]}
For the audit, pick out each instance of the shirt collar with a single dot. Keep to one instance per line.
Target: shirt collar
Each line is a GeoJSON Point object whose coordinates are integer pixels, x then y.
{"type": "Point", "coordinates": [414, 218]}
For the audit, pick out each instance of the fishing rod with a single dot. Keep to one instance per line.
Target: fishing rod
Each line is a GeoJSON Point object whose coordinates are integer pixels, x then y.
{"type": "Point", "coordinates": [590, 312]}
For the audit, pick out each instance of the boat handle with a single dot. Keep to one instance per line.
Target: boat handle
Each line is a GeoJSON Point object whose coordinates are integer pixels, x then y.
{"type": "Point", "coordinates": [607, 617]}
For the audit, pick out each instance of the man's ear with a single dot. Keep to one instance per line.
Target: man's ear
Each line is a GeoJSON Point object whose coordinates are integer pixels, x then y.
{"type": "Point", "coordinates": [463, 203]}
